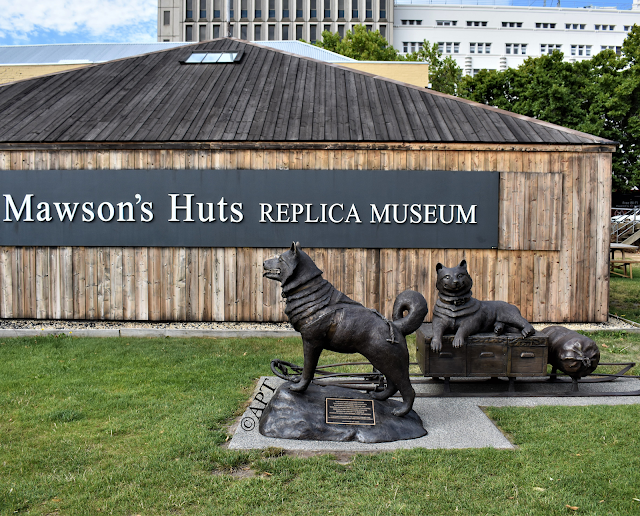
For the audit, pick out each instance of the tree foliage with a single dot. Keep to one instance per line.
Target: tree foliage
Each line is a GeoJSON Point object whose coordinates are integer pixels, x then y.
{"type": "Point", "coordinates": [360, 44]}
{"type": "Point", "coordinates": [363, 45]}
{"type": "Point", "coordinates": [600, 96]}
{"type": "Point", "coordinates": [444, 73]}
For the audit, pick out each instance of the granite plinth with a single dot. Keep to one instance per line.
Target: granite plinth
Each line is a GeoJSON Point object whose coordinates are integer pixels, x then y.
{"type": "Point", "coordinates": [302, 416]}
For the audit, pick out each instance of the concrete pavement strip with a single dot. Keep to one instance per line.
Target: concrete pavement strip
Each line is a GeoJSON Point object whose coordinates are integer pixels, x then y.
{"type": "Point", "coordinates": [450, 422]}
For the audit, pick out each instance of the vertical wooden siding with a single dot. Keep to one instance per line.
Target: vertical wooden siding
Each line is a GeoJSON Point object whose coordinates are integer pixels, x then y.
{"type": "Point", "coordinates": [552, 261]}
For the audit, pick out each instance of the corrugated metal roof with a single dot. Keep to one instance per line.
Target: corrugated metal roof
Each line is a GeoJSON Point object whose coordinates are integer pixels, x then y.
{"type": "Point", "coordinates": [77, 53]}
{"type": "Point", "coordinates": [306, 50]}
{"type": "Point", "coordinates": [267, 95]}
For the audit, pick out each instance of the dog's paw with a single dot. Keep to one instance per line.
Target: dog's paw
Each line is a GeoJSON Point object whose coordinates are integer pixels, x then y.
{"type": "Point", "coordinates": [436, 346]}
{"type": "Point", "coordinates": [299, 387]}
{"type": "Point", "coordinates": [528, 330]}
{"type": "Point", "coordinates": [498, 328]}
{"type": "Point", "coordinates": [401, 411]}
{"type": "Point", "coordinates": [458, 342]}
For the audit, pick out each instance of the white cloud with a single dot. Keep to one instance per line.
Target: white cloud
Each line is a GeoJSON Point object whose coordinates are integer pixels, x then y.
{"type": "Point", "coordinates": [107, 20]}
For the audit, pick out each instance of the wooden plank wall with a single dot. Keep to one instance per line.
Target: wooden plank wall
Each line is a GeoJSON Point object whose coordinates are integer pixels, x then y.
{"type": "Point", "coordinates": [552, 260]}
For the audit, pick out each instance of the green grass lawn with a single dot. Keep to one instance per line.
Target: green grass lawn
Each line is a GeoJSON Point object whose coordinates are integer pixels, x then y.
{"type": "Point", "coordinates": [624, 296]}
{"type": "Point", "coordinates": [135, 426]}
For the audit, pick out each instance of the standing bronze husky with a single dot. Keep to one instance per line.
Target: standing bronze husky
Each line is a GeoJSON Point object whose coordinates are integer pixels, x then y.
{"type": "Point", "coordinates": [328, 319]}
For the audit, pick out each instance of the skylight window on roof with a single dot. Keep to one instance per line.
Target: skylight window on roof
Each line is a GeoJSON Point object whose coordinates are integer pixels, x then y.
{"type": "Point", "coordinates": [212, 57]}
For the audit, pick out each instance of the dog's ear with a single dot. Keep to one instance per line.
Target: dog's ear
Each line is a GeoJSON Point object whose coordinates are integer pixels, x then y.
{"type": "Point", "coordinates": [438, 267]}
{"type": "Point", "coordinates": [294, 248]}
{"type": "Point", "coordinates": [463, 263]}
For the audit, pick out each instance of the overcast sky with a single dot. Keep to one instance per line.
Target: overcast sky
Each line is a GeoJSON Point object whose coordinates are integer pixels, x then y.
{"type": "Point", "coordinates": [77, 21]}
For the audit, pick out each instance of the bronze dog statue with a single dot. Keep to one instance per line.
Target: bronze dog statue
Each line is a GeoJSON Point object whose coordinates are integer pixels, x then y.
{"type": "Point", "coordinates": [328, 319]}
{"type": "Point", "coordinates": [456, 310]}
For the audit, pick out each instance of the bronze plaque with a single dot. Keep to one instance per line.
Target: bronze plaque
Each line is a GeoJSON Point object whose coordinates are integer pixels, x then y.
{"type": "Point", "coordinates": [344, 411]}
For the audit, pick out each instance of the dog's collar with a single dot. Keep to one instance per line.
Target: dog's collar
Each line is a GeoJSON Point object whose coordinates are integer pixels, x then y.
{"type": "Point", "coordinates": [313, 282]}
{"type": "Point", "coordinates": [455, 301]}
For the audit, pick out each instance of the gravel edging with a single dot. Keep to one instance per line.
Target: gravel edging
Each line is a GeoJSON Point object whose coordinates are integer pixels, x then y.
{"type": "Point", "coordinates": [33, 327]}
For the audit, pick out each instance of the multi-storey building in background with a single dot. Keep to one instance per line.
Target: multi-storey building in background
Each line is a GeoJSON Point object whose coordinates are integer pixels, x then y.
{"type": "Point", "coordinates": [494, 36]}
{"type": "Point", "coordinates": [502, 36]}
{"type": "Point", "coordinates": [269, 20]}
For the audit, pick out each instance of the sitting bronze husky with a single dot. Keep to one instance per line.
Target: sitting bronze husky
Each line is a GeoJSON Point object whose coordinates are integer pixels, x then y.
{"type": "Point", "coordinates": [456, 310]}
{"type": "Point", "coordinates": [328, 319]}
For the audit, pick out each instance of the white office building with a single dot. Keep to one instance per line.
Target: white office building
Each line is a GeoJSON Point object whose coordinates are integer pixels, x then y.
{"type": "Point", "coordinates": [501, 36]}
{"type": "Point", "coordinates": [269, 20]}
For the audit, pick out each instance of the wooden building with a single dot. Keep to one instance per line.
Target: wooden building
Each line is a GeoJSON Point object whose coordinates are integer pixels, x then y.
{"type": "Point", "coordinates": [270, 110]}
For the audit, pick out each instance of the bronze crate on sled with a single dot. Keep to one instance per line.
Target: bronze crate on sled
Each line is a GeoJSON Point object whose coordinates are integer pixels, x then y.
{"type": "Point", "coordinates": [484, 355]}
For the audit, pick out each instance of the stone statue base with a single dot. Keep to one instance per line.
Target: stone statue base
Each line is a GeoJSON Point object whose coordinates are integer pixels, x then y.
{"type": "Point", "coordinates": [292, 415]}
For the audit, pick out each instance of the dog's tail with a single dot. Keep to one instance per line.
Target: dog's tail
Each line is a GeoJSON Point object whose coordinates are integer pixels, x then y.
{"type": "Point", "coordinates": [416, 305]}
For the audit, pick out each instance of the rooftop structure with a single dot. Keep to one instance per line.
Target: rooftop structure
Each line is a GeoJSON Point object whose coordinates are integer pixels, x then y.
{"type": "Point", "coordinates": [75, 53]}
{"type": "Point", "coordinates": [230, 90]}
{"type": "Point", "coordinates": [306, 50]}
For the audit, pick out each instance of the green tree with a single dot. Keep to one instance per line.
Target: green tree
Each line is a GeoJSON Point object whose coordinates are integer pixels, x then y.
{"type": "Point", "coordinates": [360, 44]}
{"type": "Point", "coordinates": [444, 73]}
{"type": "Point", "coordinates": [600, 96]}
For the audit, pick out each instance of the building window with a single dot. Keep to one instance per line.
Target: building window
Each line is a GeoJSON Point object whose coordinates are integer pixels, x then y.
{"type": "Point", "coordinates": [258, 9]}
{"type": "Point", "coordinates": [512, 24]}
{"type": "Point", "coordinates": [299, 8]}
{"type": "Point", "coordinates": [202, 33]}
{"type": "Point", "coordinates": [405, 47]}
{"type": "Point", "coordinates": [383, 31]}
{"type": "Point", "coordinates": [549, 48]}
{"type": "Point", "coordinates": [203, 9]}
{"type": "Point", "coordinates": [327, 9]}
{"type": "Point", "coordinates": [285, 33]}
{"type": "Point", "coordinates": [257, 32]}
{"type": "Point", "coordinates": [271, 32]}
{"type": "Point", "coordinates": [341, 9]}
{"type": "Point", "coordinates": [476, 24]}
{"type": "Point", "coordinates": [313, 33]}
{"type": "Point", "coordinates": [354, 9]}
{"type": "Point", "coordinates": [272, 9]}
{"type": "Point", "coordinates": [480, 48]}
{"type": "Point", "coordinates": [383, 9]}
{"type": "Point", "coordinates": [516, 48]}
{"type": "Point", "coordinates": [189, 10]}
{"type": "Point", "coordinates": [617, 50]}
{"type": "Point", "coordinates": [368, 9]}
{"type": "Point", "coordinates": [244, 12]}
{"type": "Point", "coordinates": [231, 15]}
{"type": "Point", "coordinates": [167, 18]}
{"type": "Point", "coordinates": [216, 9]}
{"type": "Point", "coordinates": [298, 32]}
{"type": "Point", "coordinates": [216, 31]}
{"type": "Point", "coordinates": [545, 25]}
{"type": "Point", "coordinates": [243, 32]}
{"type": "Point", "coordinates": [285, 9]}
{"type": "Point", "coordinates": [444, 23]}
{"type": "Point", "coordinates": [369, 28]}
{"type": "Point", "coordinates": [341, 31]}
{"type": "Point", "coordinates": [327, 28]}
{"type": "Point", "coordinates": [313, 10]}
{"type": "Point", "coordinates": [626, 27]}
{"type": "Point", "coordinates": [230, 30]}
{"type": "Point", "coordinates": [605, 27]}
{"type": "Point", "coordinates": [188, 33]}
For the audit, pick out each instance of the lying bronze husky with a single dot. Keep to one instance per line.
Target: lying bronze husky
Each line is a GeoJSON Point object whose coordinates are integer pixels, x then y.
{"type": "Point", "coordinates": [328, 319]}
{"type": "Point", "coordinates": [456, 311]}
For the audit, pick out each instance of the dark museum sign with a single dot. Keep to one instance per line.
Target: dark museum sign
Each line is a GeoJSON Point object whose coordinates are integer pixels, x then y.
{"type": "Point", "coordinates": [250, 208]}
